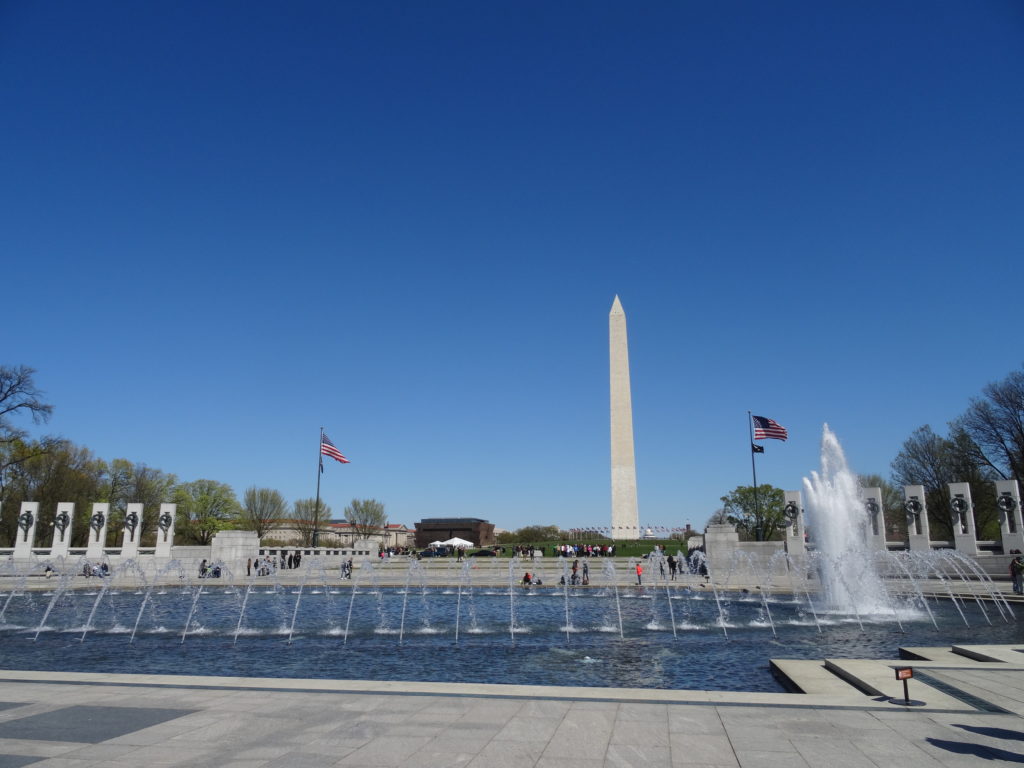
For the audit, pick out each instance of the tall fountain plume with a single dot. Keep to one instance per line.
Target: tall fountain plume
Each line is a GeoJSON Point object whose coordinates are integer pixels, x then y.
{"type": "Point", "coordinates": [838, 525]}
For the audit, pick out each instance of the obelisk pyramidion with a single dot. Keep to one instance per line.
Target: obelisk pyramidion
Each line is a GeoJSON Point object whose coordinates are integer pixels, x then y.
{"type": "Point", "coordinates": [625, 517]}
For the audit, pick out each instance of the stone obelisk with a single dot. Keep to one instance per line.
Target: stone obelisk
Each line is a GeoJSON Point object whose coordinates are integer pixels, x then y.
{"type": "Point", "coordinates": [625, 517]}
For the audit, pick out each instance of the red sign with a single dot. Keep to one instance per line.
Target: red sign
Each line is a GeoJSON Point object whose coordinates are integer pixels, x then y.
{"type": "Point", "coordinates": [904, 673]}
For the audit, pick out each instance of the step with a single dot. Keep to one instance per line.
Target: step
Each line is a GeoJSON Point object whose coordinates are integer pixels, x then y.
{"type": "Point", "coordinates": [809, 676]}
{"type": "Point", "coordinates": [878, 678]}
{"type": "Point", "coordinates": [1007, 654]}
{"type": "Point", "coordinates": [943, 654]}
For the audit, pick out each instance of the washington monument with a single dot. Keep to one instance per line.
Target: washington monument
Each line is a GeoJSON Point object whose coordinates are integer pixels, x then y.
{"type": "Point", "coordinates": [625, 517]}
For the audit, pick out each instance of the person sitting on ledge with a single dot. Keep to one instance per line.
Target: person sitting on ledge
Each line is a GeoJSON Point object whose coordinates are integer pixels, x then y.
{"type": "Point", "coordinates": [527, 580]}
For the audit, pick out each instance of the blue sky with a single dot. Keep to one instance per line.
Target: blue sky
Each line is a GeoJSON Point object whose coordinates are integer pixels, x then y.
{"type": "Point", "coordinates": [227, 224]}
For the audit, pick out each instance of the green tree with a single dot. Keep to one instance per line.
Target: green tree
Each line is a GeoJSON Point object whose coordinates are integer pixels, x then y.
{"type": "Point", "coordinates": [309, 518]}
{"type": "Point", "coordinates": [63, 472]}
{"type": "Point", "coordinates": [760, 518]}
{"type": "Point", "coordinates": [263, 510]}
{"type": "Point", "coordinates": [204, 507]}
{"type": "Point", "coordinates": [129, 482]}
{"type": "Point", "coordinates": [366, 516]}
{"type": "Point", "coordinates": [530, 534]}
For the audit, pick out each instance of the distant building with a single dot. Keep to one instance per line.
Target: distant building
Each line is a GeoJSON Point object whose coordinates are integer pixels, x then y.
{"type": "Point", "coordinates": [480, 532]}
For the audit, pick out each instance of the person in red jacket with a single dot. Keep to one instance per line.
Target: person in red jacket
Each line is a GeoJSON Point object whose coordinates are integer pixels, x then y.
{"type": "Point", "coordinates": [639, 574]}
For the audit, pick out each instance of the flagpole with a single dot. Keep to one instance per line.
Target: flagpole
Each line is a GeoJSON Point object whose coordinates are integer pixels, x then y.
{"type": "Point", "coordinates": [753, 469]}
{"type": "Point", "coordinates": [319, 471]}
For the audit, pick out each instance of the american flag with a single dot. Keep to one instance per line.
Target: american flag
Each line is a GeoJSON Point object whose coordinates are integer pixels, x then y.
{"type": "Point", "coordinates": [768, 428]}
{"type": "Point", "coordinates": [327, 448]}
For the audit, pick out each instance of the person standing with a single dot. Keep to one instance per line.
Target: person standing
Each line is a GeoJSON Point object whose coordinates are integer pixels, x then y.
{"type": "Point", "coordinates": [1017, 574]}
{"type": "Point", "coordinates": [639, 574]}
{"type": "Point", "coordinates": [248, 567]}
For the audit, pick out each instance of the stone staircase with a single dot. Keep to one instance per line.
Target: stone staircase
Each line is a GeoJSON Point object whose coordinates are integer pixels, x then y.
{"type": "Point", "coordinates": [979, 677]}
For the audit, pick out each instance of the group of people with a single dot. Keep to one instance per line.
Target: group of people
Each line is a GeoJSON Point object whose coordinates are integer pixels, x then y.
{"type": "Point", "coordinates": [583, 550]}
{"type": "Point", "coordinates": [208, 572]}
{"type": "Point", "coordinates": [92, 569]}
{"type": "Point", "coordinates": [579, 575]}
{"type": "Point", "coordinates": [529, 578]}
{"type": "Point", "coordinates": [346, 569]}
{"type": "Point", "coordinates": [272, 563]}
{"type": "Point", "coordinates": [385, 552]}
{"type": "Point", "coordinates": [1017, 574]}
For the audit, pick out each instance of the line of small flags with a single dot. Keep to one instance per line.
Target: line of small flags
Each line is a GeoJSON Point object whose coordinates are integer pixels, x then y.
{"type": "Point", "coordinates": [609, 529]}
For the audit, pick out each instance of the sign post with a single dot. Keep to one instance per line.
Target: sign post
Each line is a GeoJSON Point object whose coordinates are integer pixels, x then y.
{"type": "Point", "coordinates": [904, 674]}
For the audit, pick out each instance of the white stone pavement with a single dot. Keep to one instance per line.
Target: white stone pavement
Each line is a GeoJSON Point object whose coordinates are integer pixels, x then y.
{"type": "Point", "coordinates": [69, 719]}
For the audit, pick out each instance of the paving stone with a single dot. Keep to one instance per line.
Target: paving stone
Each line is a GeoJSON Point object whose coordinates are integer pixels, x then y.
{"type": "Point", "coordinates": [702, 748]}
{"type": "Point", "coordinates": [385, 751]}
{"type": "Point", "coordinates": [637, 756]}
{"type": "Point", "coordinates": [541, 708]}
{"type": "Point", "coordinates": [88, 724]}
{"type": "Point", "coordinates": [837, 753]}
{"type": "Point", "coordinates": [640, 733]}
{"type": "Point", "coordinates": [695, 720]}
{"type": "Point", "coordinates": [16, 761]}
{"type": "Point", "coordinates": [100, 752]}
{"type": "Point", "coordinates": [507, 758]}
{"type": "Point", "coordinates": [442, 759]}
{"type": "Point", "coordinates": [538, 729]}
{"type": "Point", "coordinates": [278, 728]}
{"type": "Point", "coordinates": [162, 755]}
{"type": "Point", "coordinates": [34, 747]}
{"type": "Point", "coordinates": [647, 713]}
{"type": "Point", "coordinates": [759, 759]}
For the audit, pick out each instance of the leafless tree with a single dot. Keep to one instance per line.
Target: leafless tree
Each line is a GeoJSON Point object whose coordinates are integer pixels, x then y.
{"type": "Point", "coordinates": [309, 518]}
{"type": "Point", "coordinates": [366, 516]}
{"type": "Point", "coordinates": [19, 396]}
{"type": "Point", "coordinates": [934, 461]}
{"type": "Point", "coordinates": [263, 510]}
{"type": "Point", "coordinates": [995, 422]}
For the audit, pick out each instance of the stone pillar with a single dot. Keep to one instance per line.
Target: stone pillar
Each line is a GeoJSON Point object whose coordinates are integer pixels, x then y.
{"type": "Point", "coordinates": [234, 548]}
{"type": "Point", "coordinates": [25, 534]}
{"type": "Point", "coordinates": [876, 518]}
{"type": "Point", "coordinates": [961, 511]}
{"type": "Point", "coordinates": [918, 536]}
{"type": "Point", "coordinates": [1011, 528]}
{"type": "Point", "coordinates": [625, 514]}
{"type": "Point", "coordinates": [97, 531]}
{"type": "Point", "coordinates": [132, 530]}
{"type": "Point", "coordinates": [720, 541]}
{"type": "Point", "coordinates": [62, 522]}
{"type": "Point", "coordinates": [165, 529]}
{"type": "Point", "coordinates": [793, 514]}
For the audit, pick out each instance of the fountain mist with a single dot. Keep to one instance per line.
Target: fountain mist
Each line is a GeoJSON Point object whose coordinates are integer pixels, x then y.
{"type": "Point", "coordinates": [837, 519]}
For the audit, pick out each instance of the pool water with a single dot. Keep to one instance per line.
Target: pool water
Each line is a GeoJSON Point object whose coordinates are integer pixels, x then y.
{"type": "Point", "coordinates": [437, 635]}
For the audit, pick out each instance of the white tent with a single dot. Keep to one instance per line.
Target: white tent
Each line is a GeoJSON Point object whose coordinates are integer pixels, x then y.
{"type": "Point", "coordinates": [437, 544]}
{"type": "Point", "coordinates": [457, 542]}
